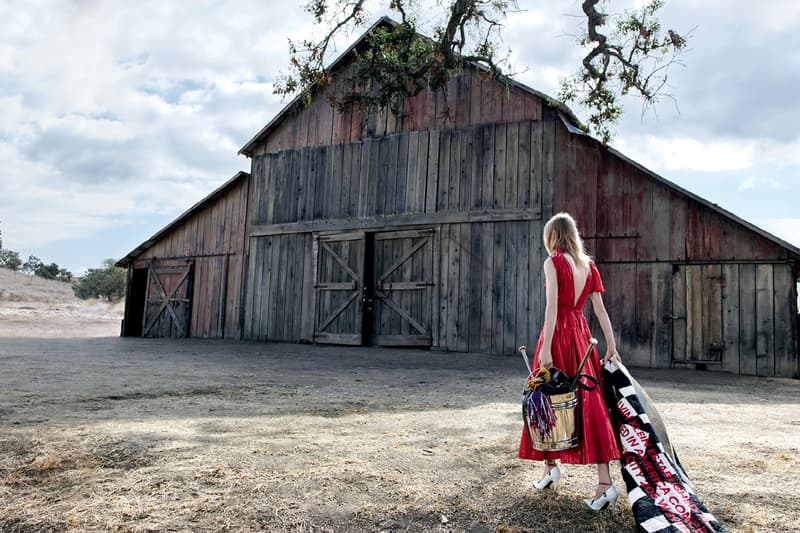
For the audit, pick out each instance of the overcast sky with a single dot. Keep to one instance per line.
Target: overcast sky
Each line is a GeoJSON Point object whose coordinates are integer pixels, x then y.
{"type": "Point", "coordinates": [116, 116]}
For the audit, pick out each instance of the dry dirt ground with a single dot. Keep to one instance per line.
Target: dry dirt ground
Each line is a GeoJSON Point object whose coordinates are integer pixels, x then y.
{"type": "Point", "coordinates": [100, 433]}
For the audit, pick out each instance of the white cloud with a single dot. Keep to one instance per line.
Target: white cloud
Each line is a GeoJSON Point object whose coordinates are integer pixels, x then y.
{"type": "Point", "coordinates": [671, 154]}
{"type": "Point", "coordinates": [753, 182]}
{"type": "Point", "coordinates": [787, 228]}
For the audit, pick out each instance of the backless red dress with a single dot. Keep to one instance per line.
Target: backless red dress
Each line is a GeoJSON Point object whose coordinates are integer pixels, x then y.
{"type": "Point", "coordinates": [599, 443]}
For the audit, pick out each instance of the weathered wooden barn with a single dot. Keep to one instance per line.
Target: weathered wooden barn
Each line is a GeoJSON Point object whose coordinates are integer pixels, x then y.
{"type": "Point", "coordinates": [423, 228]}
{"type": "Point", "coordinates": [186, 280]}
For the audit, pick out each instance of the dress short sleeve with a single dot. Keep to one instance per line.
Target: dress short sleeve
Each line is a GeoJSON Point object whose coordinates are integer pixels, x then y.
{"type": "Point", "coordinates": [597, 282]}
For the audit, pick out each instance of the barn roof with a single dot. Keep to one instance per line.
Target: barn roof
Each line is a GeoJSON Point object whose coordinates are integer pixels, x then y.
{"type": "Point", "coordinates": [218, 192]}
{"type": "Point", "coordinates": [339, 62]}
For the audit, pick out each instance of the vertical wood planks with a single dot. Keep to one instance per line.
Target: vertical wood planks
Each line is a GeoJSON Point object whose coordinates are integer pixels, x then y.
{"type": "Point", "coordinates": [730, 318]}
{"type": "Point", "coordinates": [765, 332]}
{"type": "Point", "coordinates": [747, 319]}
{"type": "Point", "coordinates": [786, 320]}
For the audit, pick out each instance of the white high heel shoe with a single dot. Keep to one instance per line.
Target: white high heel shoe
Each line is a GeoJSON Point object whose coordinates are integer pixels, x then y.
{"type": "Point", "coordinates": [550, 480]}
{"type": "Point", "coordinates": [607, 499]}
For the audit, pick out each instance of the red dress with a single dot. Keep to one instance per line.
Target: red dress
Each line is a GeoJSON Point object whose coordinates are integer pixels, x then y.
{"type": "Point", "coordinates": [599, 443]}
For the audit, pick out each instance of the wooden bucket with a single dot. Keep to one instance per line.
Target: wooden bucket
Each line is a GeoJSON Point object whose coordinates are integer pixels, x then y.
{"type": "Point", "coordinates": [565, 434]}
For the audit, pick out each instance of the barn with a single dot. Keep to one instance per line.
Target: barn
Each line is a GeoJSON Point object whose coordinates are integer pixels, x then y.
{"type": "Point", "coordinates": [423, 228]}
{"type": "Point", "coordinates": [186, 280]}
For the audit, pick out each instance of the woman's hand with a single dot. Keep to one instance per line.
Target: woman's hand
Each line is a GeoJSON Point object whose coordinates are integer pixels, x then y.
{"type": "Point", "coordinates": [545, 358]}
{"type": "Point", "coordinates": [612, 355]}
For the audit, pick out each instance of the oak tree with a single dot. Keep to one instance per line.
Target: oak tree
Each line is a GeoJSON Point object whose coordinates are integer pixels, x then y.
{"type": "Point", "coordinates": [626, 53]}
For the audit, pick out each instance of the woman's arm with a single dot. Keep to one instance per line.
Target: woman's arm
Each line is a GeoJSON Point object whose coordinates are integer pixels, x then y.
{"type": "Point", "coordinates": [605, 324]}
{"type": "Point", "coordinates": [550, 312]}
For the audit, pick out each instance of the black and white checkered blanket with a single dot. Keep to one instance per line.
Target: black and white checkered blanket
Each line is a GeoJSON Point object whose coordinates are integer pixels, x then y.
{"type": "Point", "coordinates": [659, 491]}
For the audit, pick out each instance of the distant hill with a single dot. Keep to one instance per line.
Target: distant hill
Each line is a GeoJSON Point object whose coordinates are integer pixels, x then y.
{"type": "Point", "coordinates": [19, 287]}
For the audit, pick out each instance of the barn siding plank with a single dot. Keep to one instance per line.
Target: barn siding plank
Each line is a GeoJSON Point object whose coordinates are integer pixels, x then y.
{"type": "Point", "coordinates": [536, 289]}
{"type": "Point", "coordinates": [466, 140]}
{"type": "Point", "coordinates": [344, 192]}
{"type": "Point", "coordinates": [401, 174]}
{"type": "Point", "coordinates": [661, 221]}
{"type": "Point", "coordinates": [509, 269]}
{"type": "Point", "coordinates": [624, 275]}
{"type": "Point", "coordinates": [662, 352]}
{"type": "Point", "coordinates": [711, 235]}
{"type": "Point", "coordinates": [747, 319]}
{"type": "Point", "coordinates": [524, 168]}
{"type": "Point", "coordinates": [475, 97]}
{"type": "Point", "coordinates": [463, 100]}
{"type": "Point", "coordinates": [511, 174]}
{"type": "Point", "coordinates": [499, 167]}
{"type": "Point", "coordinates": [486, 163]}
{"type": "Point", "coordinates": [522, 301]}
{"type": "Point", "coordinates": [730, 318]}
{"type": "Point", "coordinates": [334, 200]}
{"type": "Point", "coordinates": [694, 305]}
{"type": "Point", "coordinates": [364, 177]}
{"type": "Point", "coordinates": [549, 164]}
{"type": "Point", "coordinates": [454, 170]}
{"type": "Point", "coordinates": [463, 295]}
{"type": "Point", "coordinates": [765, 321]}
{"type": "Point", "coordinates": [497, 285]}
{"type": "Point", "coordinates": [488, 322]}
{"type": "Point", "coordinates": [443, 178]}
{"type": "Point", "coordinates": [445, 315]}
{"type": "Point", "coordinates": [643, 319]}
{"type": "Point", "coordinates": [475, 286]}
{"type": "Point", "coordinates": [678, 226]}
{"type": "Point", "coordinates": [420, 173]}
{"type": "Point", "coordinates": [589, 155]}
{"type": "Point", "coordinates": [432, 174]}
{"type": "Point", "coordinates": [712, 314]}
{"type": "Point", "coordinates": [412, 173]}
{"type": "Point", "coordinates": [785, 305]}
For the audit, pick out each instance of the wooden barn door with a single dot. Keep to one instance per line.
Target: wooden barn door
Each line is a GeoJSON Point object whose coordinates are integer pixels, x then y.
{"type": "Point", "coordinates": [169, 299]}
{"type": "Point", "coordinates": [339, 284]}
{"type": "Point", "coordinates": [697, 303]}
{"type": "Point", "coordinates": [403, 288]}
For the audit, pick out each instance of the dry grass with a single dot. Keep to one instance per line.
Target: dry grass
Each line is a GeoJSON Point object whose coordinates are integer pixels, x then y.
{"type": "Point", "coordinates": [141, 435]}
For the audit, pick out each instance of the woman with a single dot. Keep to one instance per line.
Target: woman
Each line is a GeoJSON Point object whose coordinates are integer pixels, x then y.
{"type": "Point", "coordinates": [570, 278]}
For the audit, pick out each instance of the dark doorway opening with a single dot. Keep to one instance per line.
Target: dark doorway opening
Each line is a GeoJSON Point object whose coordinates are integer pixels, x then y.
{"type": "Point", "coordinates": [134, 306]}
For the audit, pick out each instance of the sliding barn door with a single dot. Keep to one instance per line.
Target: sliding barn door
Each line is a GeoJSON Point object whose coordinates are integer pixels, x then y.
{"type": "Point", "coordinates": [169, 299]}
{"type": "Point", "coordinates": [697, 301]}
{"type": "Point", "coordinates": [339, 284]}
{"type": "Point", "coordinates": [403, 288]}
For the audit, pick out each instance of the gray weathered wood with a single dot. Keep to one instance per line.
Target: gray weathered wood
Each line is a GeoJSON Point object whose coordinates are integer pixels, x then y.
{"type": "Point", "coordinates": [765, 321]}
{"type": "Point", "coordinates": [747, 319]}
{"type": "Point", "coordinates": [730, 318]}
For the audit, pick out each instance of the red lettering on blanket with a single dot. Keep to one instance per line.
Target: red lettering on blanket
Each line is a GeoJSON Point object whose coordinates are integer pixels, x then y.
{"type": "Point", "coordinates": [625, 409]}
{"type": "Point", "coordinates": [635, 471]}
{"type": "Point", "coordinates": [673, 498]}
{"type": "Point", "coordinates": [634, 440]}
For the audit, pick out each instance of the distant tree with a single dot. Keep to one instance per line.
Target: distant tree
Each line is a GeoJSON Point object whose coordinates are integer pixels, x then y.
{"type": "Point", "coordinates": [32, 265]}
{"type": "Point", "coordinates": [107, 282]}
{"type": "Point", "coordinates": [47, 271]}
{"type": "Point", "coordinates": [10, 260]}
{"type": "Point", "coordinates": [64, 275]}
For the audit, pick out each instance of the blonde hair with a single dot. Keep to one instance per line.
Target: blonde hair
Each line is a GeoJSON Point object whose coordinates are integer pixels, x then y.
{"type": "Point", "coordinates": [561, 233]}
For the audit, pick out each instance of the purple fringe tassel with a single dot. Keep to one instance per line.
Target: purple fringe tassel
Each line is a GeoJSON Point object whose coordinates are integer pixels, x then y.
{"type": "Point", "coordinates": [541, 416]}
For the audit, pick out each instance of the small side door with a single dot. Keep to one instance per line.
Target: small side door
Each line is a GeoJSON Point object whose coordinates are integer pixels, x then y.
{"type": "Point", "coordinates": [697, 336]}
